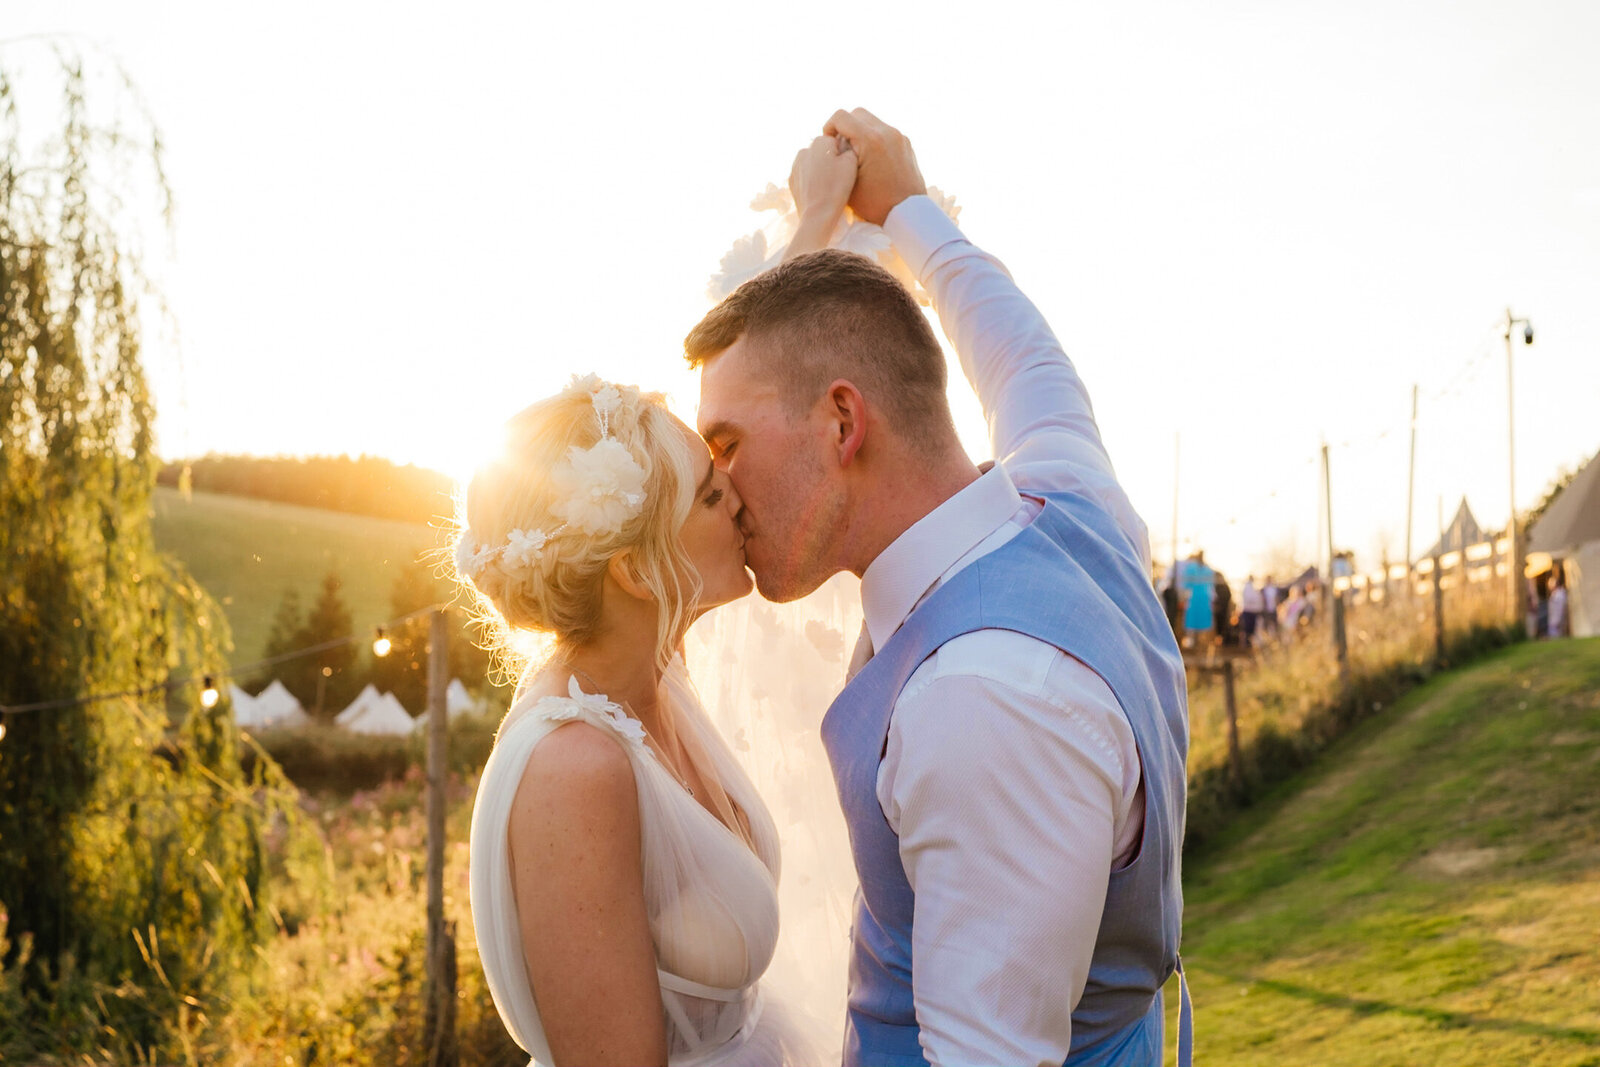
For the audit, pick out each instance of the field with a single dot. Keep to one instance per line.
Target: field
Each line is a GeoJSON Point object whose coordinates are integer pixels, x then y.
{"type": "Point", "coordinates": [1430, 893]}
{"type": "Point", "coordinates": [248, 552]}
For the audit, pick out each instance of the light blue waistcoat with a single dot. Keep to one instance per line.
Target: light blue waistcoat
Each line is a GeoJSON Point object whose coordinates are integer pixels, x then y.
{"type": "Point", "coordinates": [1074, 580]}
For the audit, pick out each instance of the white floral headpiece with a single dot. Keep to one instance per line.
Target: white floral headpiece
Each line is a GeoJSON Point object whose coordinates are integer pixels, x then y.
{"type": "Point", "coordinates": [598, 490]}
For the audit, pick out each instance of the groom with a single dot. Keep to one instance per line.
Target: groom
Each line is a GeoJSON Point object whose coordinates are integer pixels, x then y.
{"type": "Point", "coordinates": [1010, 748]}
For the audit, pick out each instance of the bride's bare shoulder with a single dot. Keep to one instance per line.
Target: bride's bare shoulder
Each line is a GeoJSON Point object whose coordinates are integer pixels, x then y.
{"type": "Point", "coordinates": [578, 775]}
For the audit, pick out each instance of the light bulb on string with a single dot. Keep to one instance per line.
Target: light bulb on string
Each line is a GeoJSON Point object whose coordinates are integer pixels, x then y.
{"type": "Point", "coordinates": [381, 644]}
{"type": "Point", "coordinates": [208, 693]}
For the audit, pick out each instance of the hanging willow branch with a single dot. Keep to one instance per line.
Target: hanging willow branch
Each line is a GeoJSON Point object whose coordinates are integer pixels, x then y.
{"type": "Point", "coordinates": [88, 606]}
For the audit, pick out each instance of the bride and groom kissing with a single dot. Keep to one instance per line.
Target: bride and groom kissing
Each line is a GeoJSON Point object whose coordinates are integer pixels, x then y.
{"type": "Point", "coordinates": [1009, 746]}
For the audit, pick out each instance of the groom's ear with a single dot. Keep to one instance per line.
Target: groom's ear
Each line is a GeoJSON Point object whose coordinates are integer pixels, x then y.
{"type": "Point", "coordinates": [625, 573]}
{"type": "Point", "coordinates": [847, 411]}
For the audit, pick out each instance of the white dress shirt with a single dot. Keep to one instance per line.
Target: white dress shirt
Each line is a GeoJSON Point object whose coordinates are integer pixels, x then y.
{"type": "Point", "coordinates": [1011, 774]}
{"type": "Point", "coordinates": [1251, 598]}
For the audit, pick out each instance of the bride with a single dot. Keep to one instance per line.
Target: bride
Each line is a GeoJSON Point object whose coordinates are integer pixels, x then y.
{"type": "Point", "coordinates": [623, 867]}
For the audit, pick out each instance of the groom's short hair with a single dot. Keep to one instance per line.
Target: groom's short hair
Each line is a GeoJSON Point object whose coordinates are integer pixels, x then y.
{"type": "Point", "coordinates": [833, 314]}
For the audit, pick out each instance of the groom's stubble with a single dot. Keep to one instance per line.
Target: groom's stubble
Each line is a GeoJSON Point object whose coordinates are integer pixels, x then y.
{"type": "Point", "coordinates": [805, 538]}
{"type": "Point", "coordinates": [795, 506]}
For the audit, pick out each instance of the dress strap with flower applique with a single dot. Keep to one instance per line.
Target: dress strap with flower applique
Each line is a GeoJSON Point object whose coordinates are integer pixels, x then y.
{"type": "Point", "coordinates": [593, 708]}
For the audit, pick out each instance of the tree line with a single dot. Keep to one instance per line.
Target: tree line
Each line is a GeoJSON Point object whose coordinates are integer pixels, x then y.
{"type": "Point", "coordinates": [359, 485]}
{"type": "Point", "coordinates": [325, 682]}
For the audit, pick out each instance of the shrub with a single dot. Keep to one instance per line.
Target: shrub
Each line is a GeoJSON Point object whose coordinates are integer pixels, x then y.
{"type": "Point", "coordinates": [323, 758]}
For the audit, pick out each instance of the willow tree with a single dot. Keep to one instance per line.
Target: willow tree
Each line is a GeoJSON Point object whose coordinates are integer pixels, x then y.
{"type": "Point", "coordinates": [131, 844]}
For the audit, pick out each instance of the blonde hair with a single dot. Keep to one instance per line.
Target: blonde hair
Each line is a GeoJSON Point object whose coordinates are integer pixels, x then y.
{"type": "Point", "coordinates": [559, 592]}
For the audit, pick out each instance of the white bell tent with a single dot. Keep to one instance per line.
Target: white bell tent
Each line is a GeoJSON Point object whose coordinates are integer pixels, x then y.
{"type": "Point", "coordinates": [273, 706]}
{"type": "Point", "coordinates": [372, 712]}
{"type": "Point", "coordinates": [246, 712]}
{"type": "Point", "coordinates": [280, 706]}
{"type": "Point", "coordinates": [458, 702]}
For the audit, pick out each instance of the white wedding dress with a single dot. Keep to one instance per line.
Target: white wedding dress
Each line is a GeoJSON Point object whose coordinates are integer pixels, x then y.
{"type": "Point", "coordinates": [712, 901]}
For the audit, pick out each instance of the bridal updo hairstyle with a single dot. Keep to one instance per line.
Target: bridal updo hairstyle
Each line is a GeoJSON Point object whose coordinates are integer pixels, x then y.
{"type": "Point", "coordinates": [834, 314]}
{"type": "Point", "coordinates": [558, 591]}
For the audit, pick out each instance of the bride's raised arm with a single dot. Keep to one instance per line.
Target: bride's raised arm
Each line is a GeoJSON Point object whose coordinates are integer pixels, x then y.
{"type": "Point", "coordinates": [820, 181]}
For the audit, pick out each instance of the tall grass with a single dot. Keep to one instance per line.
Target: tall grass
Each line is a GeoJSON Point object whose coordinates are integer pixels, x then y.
{"type": "Point", "coordinates": [343, 981]}
{"type": "Point", "coordinates": [1291, 702]}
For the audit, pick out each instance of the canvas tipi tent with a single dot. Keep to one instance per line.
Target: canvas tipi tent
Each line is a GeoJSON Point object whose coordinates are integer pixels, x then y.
{"type": "Point", "coordinates": [1462, 531]}
{"type": "Point", "coordinates": [1569, 531]}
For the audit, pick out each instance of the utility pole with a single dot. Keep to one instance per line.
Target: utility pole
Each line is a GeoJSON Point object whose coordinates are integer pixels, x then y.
{"type": "Point", "coordinates": [1324, 521]}
{"type": "Point", "coordinates": [1411, 488]}
{"type": "Point", "coordinates": [1514, 549]}
{"type": "Point", "coordinates": [1338, 597]}
{"type": "Point", "coordinates": [439, 1020]}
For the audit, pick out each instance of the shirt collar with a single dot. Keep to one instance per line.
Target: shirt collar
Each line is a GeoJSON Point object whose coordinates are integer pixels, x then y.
{"type": "Point", "coordinates": [917, 559]}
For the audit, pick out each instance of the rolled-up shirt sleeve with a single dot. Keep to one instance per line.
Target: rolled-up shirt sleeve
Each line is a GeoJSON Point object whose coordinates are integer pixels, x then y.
{"type": "Point", "coordinates": [1005, 777]}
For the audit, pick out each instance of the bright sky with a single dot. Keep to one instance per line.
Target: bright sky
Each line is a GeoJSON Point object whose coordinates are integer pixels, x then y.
{"type": "Point", "coordinates": [1251, 224]}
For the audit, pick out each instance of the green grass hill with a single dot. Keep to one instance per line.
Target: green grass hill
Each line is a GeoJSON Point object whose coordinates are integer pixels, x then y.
{"type": "Point", "coordinates": [1429, 894]}
{"type": "Point", "coordinates": [248, 552]}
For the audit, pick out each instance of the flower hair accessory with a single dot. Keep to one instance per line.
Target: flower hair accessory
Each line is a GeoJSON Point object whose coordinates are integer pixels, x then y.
{"type": "Point", "coordinates": [605, 397]}
{"type": "Point", "coordinates": [599, 489]}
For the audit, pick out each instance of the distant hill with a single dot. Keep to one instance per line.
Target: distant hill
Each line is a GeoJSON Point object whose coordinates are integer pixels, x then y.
{"type": "Point", "coordinates": [1429, 893]}
{"type": "Point", "coordinates": [247, 552]}
{"type": "Point", "coordinates": [360, 485]}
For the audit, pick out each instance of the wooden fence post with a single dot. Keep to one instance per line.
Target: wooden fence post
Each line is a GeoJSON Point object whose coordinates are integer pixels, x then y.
{"type": "Point", "coordinates": [1438, 612]}
{"type": "Point", "coordinates": [439, 1019]}
{"type": "Point", "coordinates": [1235, 762]}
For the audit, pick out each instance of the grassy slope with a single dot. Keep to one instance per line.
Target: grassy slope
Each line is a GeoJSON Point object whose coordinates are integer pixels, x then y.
{"type": "Point", "coordinates": [1429, 894]}
{"type": "Point", "coordinates": [247, 552]}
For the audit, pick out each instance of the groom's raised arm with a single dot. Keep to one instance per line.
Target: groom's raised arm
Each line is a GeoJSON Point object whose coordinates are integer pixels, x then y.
{"type": "Point", "coordinates": [1041, 423]}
